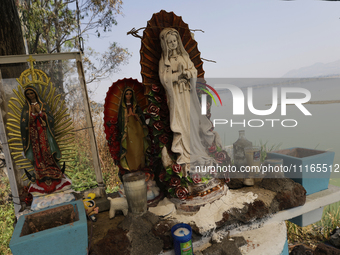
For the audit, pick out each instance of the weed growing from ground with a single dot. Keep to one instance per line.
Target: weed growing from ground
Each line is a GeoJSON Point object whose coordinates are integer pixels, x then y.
{"type": "Point", "coordinates": [6, 216]}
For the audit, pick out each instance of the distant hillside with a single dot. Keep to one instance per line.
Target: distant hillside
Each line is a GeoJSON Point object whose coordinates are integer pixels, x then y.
{"type": "Point", "coordinates": [316, 70]}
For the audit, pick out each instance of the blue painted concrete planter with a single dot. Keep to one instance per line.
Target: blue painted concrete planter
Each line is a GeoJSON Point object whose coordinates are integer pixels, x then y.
{"type": "Point", "coordinates": [69, 238]}
{"type": "Point", "coordinates": [285, 250]}
{"type": "Point", "coordinates": [310, 168]}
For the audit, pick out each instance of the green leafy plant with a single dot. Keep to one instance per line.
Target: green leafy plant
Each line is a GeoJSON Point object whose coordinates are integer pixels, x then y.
{"type": "Point", "coordinates": [6, 217]}
{"type": "Point", "coordinates": [83, 176]}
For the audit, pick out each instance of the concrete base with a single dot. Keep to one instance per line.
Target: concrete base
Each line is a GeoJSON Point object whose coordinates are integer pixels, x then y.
{"type": "Point", "coordinates": [273, 232]}
{"type": "Point", "coordinates": [103, 203]}
{"type": "Point", "coordinates": [308, 218]}
{"type": "Point", "coordinates": [285, 249]}
{"type": "Point", "coordinates": [30, 235]}
{"type": "Point", "coordinates": [267, 240]}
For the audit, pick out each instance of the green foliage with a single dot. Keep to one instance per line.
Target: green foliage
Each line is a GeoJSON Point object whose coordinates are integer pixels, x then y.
{"type": "Point", "coordinates": [6, 217]}
{"type": "Point", "coordinates": [330, 219]}
{"type": "Point", "coordinates": [83, 176]}
{"type": "Point", "coordinates": [318, 232]}
{"type": "Point", "coordinates": [57, 26]}
{"type": "Point", "coordinates": [315, 233]}
{"type": "Point", "coordinates": [111, 186]}
{"type": "Point", "coordinates": [112, 189]}
{"type": "Point", "coordinates": [51, 24]}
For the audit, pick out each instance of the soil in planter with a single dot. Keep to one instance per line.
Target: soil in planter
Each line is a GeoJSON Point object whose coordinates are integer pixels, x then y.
{"type": "Point", "coordinates": [55, 217]}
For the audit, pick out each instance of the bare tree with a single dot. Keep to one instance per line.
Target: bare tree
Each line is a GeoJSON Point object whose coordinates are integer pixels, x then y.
{"type": "Point", "coordinates": [11, 38]}
{"type": "Point", "coordinates": [59, 25]}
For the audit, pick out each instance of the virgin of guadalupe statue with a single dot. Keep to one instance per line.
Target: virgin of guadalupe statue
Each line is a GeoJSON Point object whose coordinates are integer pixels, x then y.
{"type": "Point", "coordinates": [178, 76]}
{"type": "Point", "coordinates": [40, 146]}
{"type": "Point", "coordinates": [133, 132]}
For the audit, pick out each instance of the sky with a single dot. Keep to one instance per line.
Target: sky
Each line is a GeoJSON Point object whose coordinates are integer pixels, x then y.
{"type": "Point", "coordinates": [247, 39]}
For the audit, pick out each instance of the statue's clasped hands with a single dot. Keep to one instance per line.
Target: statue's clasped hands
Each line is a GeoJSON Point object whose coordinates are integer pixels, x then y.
{"type": "Point", "coordinates": [35, 108]}
{"type": "Point", "coordinates": [184, 76]}
{"type": "Point", "coordinates": [130, 113]}
{"type": "Point", "coordinates": [186, 73]}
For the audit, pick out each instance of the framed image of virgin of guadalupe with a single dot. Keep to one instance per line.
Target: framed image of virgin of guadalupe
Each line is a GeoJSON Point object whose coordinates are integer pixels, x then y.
{"type": "Point", "coordinates": [40, 123]}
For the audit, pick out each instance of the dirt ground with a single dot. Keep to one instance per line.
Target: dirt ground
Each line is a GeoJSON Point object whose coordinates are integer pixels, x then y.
{"type": "Point", "coordinates": [98, 230]}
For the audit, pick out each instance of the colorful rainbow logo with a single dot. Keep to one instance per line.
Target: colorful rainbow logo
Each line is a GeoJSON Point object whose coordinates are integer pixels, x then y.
{"type": "Point", "coordinates": [209, 93]}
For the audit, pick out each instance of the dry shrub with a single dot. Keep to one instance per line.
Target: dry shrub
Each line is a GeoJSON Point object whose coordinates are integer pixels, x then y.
{"type": "Point", "coordinates": [319, 232]}
{"type": "Point", "coordinates": [109, 169]}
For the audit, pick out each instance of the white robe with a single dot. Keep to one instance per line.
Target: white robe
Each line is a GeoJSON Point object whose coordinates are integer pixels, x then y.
{"type": "Point", "coordinates": [190, 127]}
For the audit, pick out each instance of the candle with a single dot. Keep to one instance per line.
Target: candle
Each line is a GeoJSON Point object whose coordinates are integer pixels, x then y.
{"type": "Point", "coordinates": [135, 191]}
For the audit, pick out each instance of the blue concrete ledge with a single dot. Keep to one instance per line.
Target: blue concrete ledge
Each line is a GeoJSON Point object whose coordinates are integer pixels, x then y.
{"type": "Point", "coordinates": [71, 239]}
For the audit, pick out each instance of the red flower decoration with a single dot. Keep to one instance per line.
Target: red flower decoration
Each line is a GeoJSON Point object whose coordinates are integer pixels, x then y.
{"type": "Point", "coordinates": [155, 88]}
{"type": "Point", "coordinates": [158, 125]}
{"type": "Point", "coordinates": [165, 116]}
{"type": "Point", "coordinates": [167, 129]}
{"type": "Point", "coordinates": [175, 181]}
{"type": "Point", "coordinates": [116, 144]}
{"type": "Point", "coordinates": [162, 175]}
{"type": "Point", "coordinates": [181, 193]}
{"type": "Point", "coordinates": [114, 150]}
{"type": "Point", "coordinates": [221, 156]}
{"type": "Point", "coordinates": [212, 149]}
{"type": "Point", "coordinates": [158, 99]}
{"type": "Point", "coordinates": [112, 129]}
{"type": "Point", "coordinates": [28, 199]}
{"type": "Point", "coordinates": [148, 175]}
{"type": "Point", "coordinates": [154, 149]}
{"type": "Point", "coordinates": [114, 134]}
{"type": "Point", "coordinates": [196, 178]}
{"type": "Point", "coordinates": [164, 138]}
{"type": "Point", "coordinates": [176, 168]}
{"type": "Point", "coordinates": [165, 107]}
{"type": "Point", "coordinates": [151, 137]}
{"type": "Point", "coordinates": [153, 109]}
{"type": "Point", "coordinates": [114, 120]}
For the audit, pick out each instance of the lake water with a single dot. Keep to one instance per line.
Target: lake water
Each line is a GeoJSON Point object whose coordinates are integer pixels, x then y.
{"type": "Point", "coordinates": [318, 131]}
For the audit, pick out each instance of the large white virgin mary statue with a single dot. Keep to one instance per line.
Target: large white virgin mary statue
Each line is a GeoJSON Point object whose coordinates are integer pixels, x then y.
{"type": "Point", "coordinates": [178, 76]}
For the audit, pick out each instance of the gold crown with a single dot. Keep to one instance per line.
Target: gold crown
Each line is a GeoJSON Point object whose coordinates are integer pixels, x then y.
{"type": "Point", "coordinates": [33, 76]}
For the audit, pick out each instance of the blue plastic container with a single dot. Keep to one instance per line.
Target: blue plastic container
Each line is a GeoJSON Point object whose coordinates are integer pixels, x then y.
{"type": "Point", "coordinates": [311, 168]}
{"type": "Point", "coordinates": [182, 244]}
